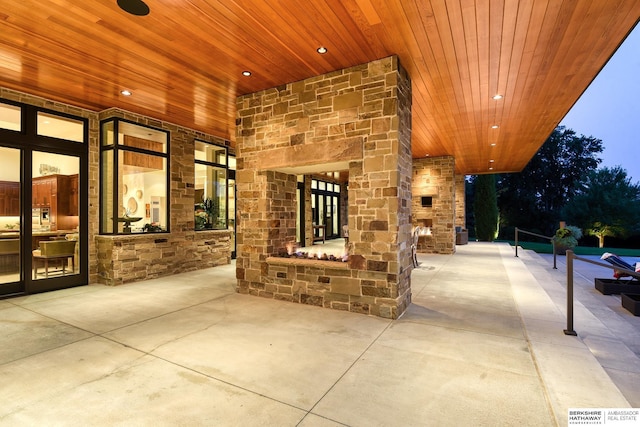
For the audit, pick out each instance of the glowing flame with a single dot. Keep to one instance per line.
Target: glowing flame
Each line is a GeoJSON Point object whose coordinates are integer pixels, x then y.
{"type": "Point", "coordinates": [291, 247]}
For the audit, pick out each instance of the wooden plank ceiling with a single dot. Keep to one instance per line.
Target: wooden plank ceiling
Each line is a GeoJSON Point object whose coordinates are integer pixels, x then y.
{"type": "Point", "coordinates": [184, 61]}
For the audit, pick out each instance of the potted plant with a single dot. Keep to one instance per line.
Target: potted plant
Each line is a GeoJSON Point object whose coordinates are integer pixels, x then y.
{"type": "Point", "coordinates": [566, 238]}
{"type": "Point", "coordinates": [211, 207]}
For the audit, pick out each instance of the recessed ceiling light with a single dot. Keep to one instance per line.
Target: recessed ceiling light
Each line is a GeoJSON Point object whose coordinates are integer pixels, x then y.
{"type": "Point", "coordinates": [493, 144]}
{"type": "Point", "coordinates": [134, 7]}
{"type": "Point", "coordinates": [246, 73]}
{"type": "Point", "coordinates": [321, 50]}
{"type": "Point", "coordinates": [497, 96]}
{"type": "Point", "coordinates": [490, 168]}
{"type": "Point", "coordinates": [491, 161]}
{"type": "Point", "coordinates": [126, 92]}
{"type": "Point", "coordinates": [495, 127]}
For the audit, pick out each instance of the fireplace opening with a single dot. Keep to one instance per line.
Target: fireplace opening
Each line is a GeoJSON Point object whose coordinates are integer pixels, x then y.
{"type": "Point", "coordinates": [326, 252]}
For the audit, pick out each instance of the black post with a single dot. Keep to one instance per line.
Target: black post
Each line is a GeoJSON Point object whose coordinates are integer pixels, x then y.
{"type": "Point", "coordinates": [555, 255]}
{"type": "Point", "coordinates": [569, 330]}
{"type": "Point", "coordinates": [516, 242]}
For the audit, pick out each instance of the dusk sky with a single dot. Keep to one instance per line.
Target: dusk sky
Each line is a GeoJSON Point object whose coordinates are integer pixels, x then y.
{"type": "Point", "coordinates": [610, 109]}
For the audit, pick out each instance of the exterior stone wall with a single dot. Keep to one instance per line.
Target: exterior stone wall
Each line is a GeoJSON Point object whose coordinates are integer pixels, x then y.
{"type": "Point", "coordinates": [130, 258]}
{"type": "Point", "coordinates": [139, 257]}
{"type": "Point", "coordinates": [461, 204]}
{"type": "Point", "coordinates": [357, 119]}
{"type": "Point", "coordinates": [435, 177]}
{"type": "Point", "coordinates": [121, 259]}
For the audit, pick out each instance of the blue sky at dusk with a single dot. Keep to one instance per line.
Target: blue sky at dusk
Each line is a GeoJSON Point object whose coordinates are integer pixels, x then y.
{"type": "Point", "coordinates": [610, 109]}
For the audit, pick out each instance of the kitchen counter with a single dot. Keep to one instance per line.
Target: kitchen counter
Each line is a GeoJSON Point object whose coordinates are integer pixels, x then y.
{"type": "Point", "coordinates": [37, 236]}
{"type": "Point", "coordinates": [12, 234]}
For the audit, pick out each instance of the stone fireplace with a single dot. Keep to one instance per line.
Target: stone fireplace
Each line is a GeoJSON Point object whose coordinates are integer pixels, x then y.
{"type": "Point", "coordinates": [356, 120]}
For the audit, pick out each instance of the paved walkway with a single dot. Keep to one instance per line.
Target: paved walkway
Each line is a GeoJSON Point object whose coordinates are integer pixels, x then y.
{"type": "Point", "coordinates": [482, 344]}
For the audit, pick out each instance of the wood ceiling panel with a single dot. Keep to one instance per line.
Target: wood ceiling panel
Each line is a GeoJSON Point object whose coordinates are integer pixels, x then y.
{"type": "Point", "coordinates": [184, 61]}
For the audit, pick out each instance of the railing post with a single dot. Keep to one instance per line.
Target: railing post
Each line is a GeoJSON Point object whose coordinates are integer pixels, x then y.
{"type": "Point", "coordinates": [516, 242]}
{"type": "Point", "coordinates": [555, 256]}
{"type": "Point", "coordinates": [569, 330]}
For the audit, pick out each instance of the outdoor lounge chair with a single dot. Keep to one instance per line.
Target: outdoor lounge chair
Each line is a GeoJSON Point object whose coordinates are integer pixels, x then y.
{"type": "Point", "coordinates": [616, 261]}
{"type": "Point", "coordinates": [615, 285]}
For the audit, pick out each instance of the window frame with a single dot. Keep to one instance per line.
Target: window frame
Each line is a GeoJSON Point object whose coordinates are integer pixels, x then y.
{"type": "Point", "coordinates": [225, 167]}
{"type": "Point", "coordinates": [118, 149]}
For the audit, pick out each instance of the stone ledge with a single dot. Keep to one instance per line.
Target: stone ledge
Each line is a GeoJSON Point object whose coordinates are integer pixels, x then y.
{"type": "Point", "coordinates": [308, 262]}
{"type": "Point", "coordinates": [164, 235]}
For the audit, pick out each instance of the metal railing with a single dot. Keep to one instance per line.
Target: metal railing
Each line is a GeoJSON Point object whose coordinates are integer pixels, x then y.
{"type": "Point", "coordinates": [570, 258]}
{"type": "Point", "coordinates": [518, 230]}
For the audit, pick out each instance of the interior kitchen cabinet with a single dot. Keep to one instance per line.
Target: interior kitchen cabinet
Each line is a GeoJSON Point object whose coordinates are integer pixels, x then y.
{"type": "Point", "coordinates": [9, 198]}
{"type": "Point", "coordinates": [59, 193]}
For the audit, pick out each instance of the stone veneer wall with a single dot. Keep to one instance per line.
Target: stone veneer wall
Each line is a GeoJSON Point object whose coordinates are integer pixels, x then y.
{"type": "Point", "coordinates": [461, 204]}
{"type": "Point", "coordinates": [130, 258]}
{"type": "Point", "coordinates": [358, 118]}
{"type": "Point", "coordinates": [122, 259]}
{"type": "Point", "coordinates": [435, 176]}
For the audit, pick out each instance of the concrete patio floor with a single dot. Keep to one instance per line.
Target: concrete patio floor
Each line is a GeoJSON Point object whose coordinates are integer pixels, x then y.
{"type": "Point", "coordinates": [481, 344]}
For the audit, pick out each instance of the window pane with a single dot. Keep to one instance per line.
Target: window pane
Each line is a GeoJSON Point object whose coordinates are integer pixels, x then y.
{"type": "Point", "coordinates": [211, 153]}
{"type": "Point", "coordinates": [132, 135]}
{"type": "Point", "coordinates": [106, 191]}
{"type": "Point", "coordinates": [10, 117]}
{"type": "Point", "coordinates": [107, 133]}
{"type": "Point", "coordinates": [54, 215]}
{"type": "Point", "coordinates": [210, 200]}
{"type": "Point", "coordinates": [322, 185]}
{"type": "Point", "coordinates": [314, 184]}
{"type": "Point", "coordinates": [232, 162]}
{"type": "Point", "coordinates": [60, 127]}
{"type": "Point", "coordinates": [10, 219]}
{"type": "Point", "coordinates": [142, 188]}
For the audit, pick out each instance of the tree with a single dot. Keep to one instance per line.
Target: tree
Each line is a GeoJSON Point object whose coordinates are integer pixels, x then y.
{"type": "Point", "coordinates": [607, 205]}
{"type": "Point", "coordinates": [485, 208]}
{"type": "Point", "coordinates": [533, 199]}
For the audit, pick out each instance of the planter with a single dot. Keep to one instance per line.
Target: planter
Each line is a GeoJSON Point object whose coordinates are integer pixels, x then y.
{"type": "Point", "coordinates": [632, 303]}
{"type": "Point", "coordinates": [616, 286]}
{"type": "Point", "coordinates": [562, 249]}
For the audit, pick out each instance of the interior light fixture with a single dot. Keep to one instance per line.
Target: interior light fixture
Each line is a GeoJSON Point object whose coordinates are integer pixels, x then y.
{"type": "Point", "coordinates": [493, 144]}
{"type": "Point", "coordinates": [125, 92]}
{"type": "Point", "coordinates": [134, 7]}
{"type": "Point", "coordinates": [246, 73]}
{"type": "Point", "coordinates": [321, 50]}
{"type": "Point", "coordinates": [497, 96]}
{"type": "Point", "coordinates": [491, 161]}
{"type": "Point", "coordinates": [495, 127]}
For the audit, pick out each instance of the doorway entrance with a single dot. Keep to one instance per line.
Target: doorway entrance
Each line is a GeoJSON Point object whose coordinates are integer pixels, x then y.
{"type": "Point", "coordinates": [43, 200]}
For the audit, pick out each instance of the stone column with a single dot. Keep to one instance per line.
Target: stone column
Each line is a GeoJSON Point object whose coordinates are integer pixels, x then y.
{"type": "Point", "coordinates": [357, 119]}
{"type": "Point", "coordinates": [435, 177]}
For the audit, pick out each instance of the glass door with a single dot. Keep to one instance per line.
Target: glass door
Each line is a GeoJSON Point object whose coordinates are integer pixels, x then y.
{"type": "Point", "coordinates": [54, 217]}
{"type": "Point", "coordinates": [11, 228]}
